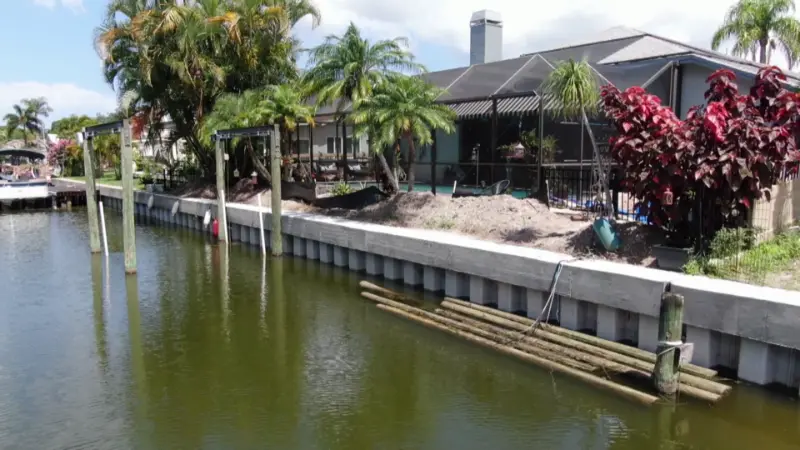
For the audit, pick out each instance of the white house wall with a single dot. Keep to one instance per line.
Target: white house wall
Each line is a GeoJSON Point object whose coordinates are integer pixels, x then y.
{"type": "Point", "coordinates": [694, 86]}
{"type": "Point", "coordinates": [321, 135]}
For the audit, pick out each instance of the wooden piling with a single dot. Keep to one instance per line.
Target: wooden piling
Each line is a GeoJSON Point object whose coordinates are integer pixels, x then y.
{"type": "Point", "coordinates": [128, 219]}
{"type": "Point", "coordinates": [91, 191]}
{"type": "Point", "coordinates": [670, 327]}
{"type": "Point", "coordinates": [221, 207]}
{"type": "Point", "coordinates": [275, 169]}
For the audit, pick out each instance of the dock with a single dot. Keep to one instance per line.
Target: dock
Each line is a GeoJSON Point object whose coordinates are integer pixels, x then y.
{"type": "Point", "coordinates": [38, 195]}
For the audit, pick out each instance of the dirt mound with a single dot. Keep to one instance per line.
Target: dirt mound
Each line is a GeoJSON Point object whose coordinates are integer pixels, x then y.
{"type": "Point", "coordinates": [505, 219]}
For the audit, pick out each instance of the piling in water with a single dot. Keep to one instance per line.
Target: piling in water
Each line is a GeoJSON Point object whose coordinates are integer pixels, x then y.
{"type": "Point", "coordinates": [275, 172]}
{"type": "Point", "coordinates": [670, 327]}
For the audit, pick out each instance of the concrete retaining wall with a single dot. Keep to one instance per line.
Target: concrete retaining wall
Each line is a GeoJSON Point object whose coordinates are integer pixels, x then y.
{"type": "Point", "coordinates": [752, 330]}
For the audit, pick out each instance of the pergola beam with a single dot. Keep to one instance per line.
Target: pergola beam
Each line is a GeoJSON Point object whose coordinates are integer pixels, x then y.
{"type": "Point", "coordinates": [103, 129]}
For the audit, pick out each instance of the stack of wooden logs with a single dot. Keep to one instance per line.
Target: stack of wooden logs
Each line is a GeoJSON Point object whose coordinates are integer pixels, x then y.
{"type": "Point", "coordinates": [599, 362]}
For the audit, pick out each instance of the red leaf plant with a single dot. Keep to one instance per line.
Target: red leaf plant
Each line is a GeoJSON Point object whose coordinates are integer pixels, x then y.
{"type": "Point", "coordinates": [733, 149]}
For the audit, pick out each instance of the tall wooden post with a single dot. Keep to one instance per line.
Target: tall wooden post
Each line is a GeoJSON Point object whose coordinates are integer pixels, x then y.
{"type": "Point", "coordinates": [344, 151]}
{"type": "Point", "coordinates": [311, 148]}
{"type": "Point", "coordinates": [670, 327]}
{"type": "Point", "coordinates": [91, 193]}
{"type": "Point", "coordinates": [222, 210]}
{"type": "Point", "coordinates": [433, 164]}
{"type": "Point", "coordinates": [128, 221]}
{"type": "Point", "coordinates": [275, 152]}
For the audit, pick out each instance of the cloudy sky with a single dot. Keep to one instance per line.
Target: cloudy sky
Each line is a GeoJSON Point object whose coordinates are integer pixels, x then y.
{"type": "Point", "coordinates": [48, 47]}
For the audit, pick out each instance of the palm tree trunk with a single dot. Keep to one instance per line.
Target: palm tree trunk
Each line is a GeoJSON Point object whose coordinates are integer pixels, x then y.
{"type": "Point", "coordinates": [412, 156]}
{"type": "Point", "coordinates": [763, 43]}
{"type": "Point", "coordinates": [609, 206]}
{"type": "Point", "coordinates": [260, 168]}
{"type": "Point", "coordinates": [388, 172]}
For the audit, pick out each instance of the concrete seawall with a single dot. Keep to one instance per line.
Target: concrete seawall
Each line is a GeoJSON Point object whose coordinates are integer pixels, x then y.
{"type": "Point", "coordinates": [754, 331]}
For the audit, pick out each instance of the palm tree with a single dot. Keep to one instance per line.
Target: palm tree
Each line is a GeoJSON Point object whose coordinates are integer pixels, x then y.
{"type": "Point", "coordinates": [405, 108]}
{"type": "Point", "coordinates": [282, 105]}
{"type": "Point", "coordinates": [176, 58]}
{"type": "Point", "coordinates": [573, 88]}
{"type": "Point", "coordinates": [27, 117]}
{"type": "Point", "coordinates": [759, 27]}
{"type": "Point", "coordinates": [347, 68]}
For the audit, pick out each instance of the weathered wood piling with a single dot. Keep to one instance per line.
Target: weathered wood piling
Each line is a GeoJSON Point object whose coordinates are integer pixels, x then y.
{"type": "Point", "coordinates": [275, 173]}
{"type": "Point", "coordinates": [604, 364]}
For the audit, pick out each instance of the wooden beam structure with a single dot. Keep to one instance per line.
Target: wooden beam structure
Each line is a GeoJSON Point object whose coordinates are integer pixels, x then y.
{"type": "Point", "coordinates": [91, 192]}
{"type": "Point", "coordinates": [128, 219]}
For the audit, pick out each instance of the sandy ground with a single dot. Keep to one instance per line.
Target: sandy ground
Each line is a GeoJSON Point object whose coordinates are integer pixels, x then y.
{"type": "Point", "coordinates": [505, 219]}
{"type": "Point", "coordinates": [501, 219]}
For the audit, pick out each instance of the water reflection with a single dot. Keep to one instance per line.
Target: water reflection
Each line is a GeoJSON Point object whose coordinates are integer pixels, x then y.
{"type": "Point", "coordinates": [100, 287]}
{"type": "Point", "coordinates": [136, 347]}
{"type": "Point", "coordinates": [216, 348]}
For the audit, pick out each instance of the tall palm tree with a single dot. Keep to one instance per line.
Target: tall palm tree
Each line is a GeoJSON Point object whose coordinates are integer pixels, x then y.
{"type": "Point", "coordinates": [282, 105]}
{"type": "Point", "coordinates": [573, 89]}
{"type": "Point", "coordinates": [346, 69]}
{"type": "Point", "coordinates": [27, 117]}
{"type": "Point", "coordinates": [405, 108]}
{"type": "Point", "coordinates": [759, 27]}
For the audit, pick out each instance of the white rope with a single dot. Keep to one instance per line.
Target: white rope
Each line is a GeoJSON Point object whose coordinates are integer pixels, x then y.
{"type": "Point", "coordinates": [548, 305]}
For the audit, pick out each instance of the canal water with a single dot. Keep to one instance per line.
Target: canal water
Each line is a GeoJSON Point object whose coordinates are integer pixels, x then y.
{"type": "Point", "coordinates": [207, 351]}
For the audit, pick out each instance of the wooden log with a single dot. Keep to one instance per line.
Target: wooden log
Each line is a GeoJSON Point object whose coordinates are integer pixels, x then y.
{"type": "Point", "coordinates": [588, 378]}
{"type": "Point", "coordinates": [670, 327]}
{"type": "Point", "coordinates": [698, 387]}
{"type": "Point", "coordinates": [609, 345]}
{"type": "Point", "coordinates": [483, 334]}
{"type": "Point", "coordinates": [388, 293]}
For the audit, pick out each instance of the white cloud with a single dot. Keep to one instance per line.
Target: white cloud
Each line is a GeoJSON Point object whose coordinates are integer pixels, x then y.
{"type": "Point", "coordinates": [65, 98]}
{"type": "Point", "coordinates": [527, 26]}
{"type": "Point", "coordinates": [75, 5]}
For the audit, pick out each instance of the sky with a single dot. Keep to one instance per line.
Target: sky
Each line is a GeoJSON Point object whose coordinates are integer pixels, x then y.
{"type": "Point", "coordinates": [48, 50]}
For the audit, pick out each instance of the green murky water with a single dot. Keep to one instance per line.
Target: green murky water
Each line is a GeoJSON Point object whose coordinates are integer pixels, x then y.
{"type": "Point", "coordinates": [204, 351]}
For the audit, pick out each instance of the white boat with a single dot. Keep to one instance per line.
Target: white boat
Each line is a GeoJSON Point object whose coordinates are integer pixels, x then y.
{"type": "Point", "coordinates": [11, 191]}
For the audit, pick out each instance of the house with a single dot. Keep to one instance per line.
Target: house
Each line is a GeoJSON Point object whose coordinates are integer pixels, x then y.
{"type": "Point", "coordinates": [497, 101]}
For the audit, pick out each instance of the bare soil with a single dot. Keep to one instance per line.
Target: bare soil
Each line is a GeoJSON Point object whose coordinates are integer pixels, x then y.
{"type": "Point", "coordinates": [502, 219]}
{"type": "Point", "coordinates": [506, 219]}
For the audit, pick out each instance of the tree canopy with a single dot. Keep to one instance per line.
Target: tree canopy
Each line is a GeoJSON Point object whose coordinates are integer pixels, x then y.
{"type": "Point", "coordinates": [759, 27]}
{"type": "Point", "coordinates": [175, 59]}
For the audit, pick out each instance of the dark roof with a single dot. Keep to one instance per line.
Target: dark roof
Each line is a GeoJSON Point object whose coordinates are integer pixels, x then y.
{"type": "Point", "coordinates": [592, 53]}
{"type": "Point", "coordinates": [28, 153]}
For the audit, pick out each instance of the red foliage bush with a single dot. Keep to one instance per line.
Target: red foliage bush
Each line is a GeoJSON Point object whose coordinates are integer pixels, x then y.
{"type": "Point", "coordinates": [735, 148]}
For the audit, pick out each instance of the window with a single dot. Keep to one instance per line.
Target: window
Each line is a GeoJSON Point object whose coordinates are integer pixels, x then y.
{"type": "Point", "coordinates": [352, 146]}
{"type": "Point", "coordinates": [303, 146]}
{"type": "Point", "coordinates": [330, 145]}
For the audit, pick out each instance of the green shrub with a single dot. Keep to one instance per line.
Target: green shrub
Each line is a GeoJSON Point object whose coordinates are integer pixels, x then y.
{"type": "Point", "coordinates": [341, 188]}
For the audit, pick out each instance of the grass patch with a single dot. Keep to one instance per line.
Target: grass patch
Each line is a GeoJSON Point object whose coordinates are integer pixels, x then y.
{"type": "Point", "coordinates": [440, 224]}
{"type": "Point", "coordinates": [752, 263]}
{"type": "Point", "coordinates": [109, 179]}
